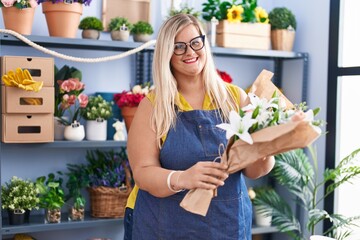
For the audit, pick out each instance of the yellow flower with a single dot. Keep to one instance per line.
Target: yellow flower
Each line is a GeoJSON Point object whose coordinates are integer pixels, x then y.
{"type": "Point", "coordinates": [261, 15]}
{"type": "Point", "coordinates": [234, 13]}
{"type": "Point", "coordinates": [251, 193]}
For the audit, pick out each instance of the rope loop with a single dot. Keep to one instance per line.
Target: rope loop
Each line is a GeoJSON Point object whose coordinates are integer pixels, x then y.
{"type": "Point", "coordinates": [77, 59]}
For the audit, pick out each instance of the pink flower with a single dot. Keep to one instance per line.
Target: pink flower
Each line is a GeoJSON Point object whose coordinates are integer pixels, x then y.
{"type": "Point", "coordinates": [83, 100]}
{"type": "Point", "coordinates": [8, 3]}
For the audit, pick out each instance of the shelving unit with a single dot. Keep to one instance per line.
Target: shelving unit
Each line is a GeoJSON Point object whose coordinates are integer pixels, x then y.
{"type": "Point", "coordinates": [142, 70]}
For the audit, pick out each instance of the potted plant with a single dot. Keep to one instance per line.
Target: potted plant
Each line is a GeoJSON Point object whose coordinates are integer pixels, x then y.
{"type": "Point", "coordinates": [294, 171]}
{"type": "Point", "coordinates": [69, 11]}
{"type": "Point", "coordinates": [52, 197]}
{"type": "Point", "coordinates": [240, 25]}
{"type": "Point", "coordinates": [96, 114]}
{"type": "Point", "coordinates": [142, 31]}
{"type": "Point", "coordinates": [261, 219]}
{"type": "Point", "coordinates": [283, 26]}
{"type": "Point", "coordinates": [120, 28]}
{"type": "Point", "coordinates": [19, 197]}
{"type": "Point", "coordinates": [184, 8]}
{"type": "Point", "coordinates": [91, 27]}
{"type": "Point", "coordinates": [128, 101]}
{"type": "Point", "coordinates": [69, 100]}
{"type": "Point", "coordinates": [77, 180]}
{"type": "Point", "coordinates": [107, 177]}
{"type": "Point", "coordinates": [18, 15]}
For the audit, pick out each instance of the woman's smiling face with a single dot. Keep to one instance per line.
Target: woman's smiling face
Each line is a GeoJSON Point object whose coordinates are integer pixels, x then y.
{"type": "Point", "coordinates": [192, 62]}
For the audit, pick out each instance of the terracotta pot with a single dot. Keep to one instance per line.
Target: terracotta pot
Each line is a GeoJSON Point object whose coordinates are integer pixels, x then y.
{"type": "Point", "coordinates": [62, 19]}
{"type": "Point", "coordinates": [18, 20]}
{"type": "Point", "coordinates": [282, 40]}
{"type": "Point", "coordinates": [90, 34]}
{"type": "Point", "coordinates": [128, 115]}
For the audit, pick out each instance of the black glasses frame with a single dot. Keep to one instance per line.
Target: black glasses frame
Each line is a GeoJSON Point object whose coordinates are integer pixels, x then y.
{"type": "Point", "coordinates": [202, 37]}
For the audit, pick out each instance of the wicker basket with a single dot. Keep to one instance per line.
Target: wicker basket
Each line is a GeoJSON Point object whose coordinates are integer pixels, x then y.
{"type": "Point", "coordinates": [108, 202]}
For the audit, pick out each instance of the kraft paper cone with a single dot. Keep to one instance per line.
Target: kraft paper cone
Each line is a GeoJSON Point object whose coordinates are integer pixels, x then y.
{"type": "Point", "coordinates": [263, 87]}
{"type": "Point", "coordinates": [266, 142]}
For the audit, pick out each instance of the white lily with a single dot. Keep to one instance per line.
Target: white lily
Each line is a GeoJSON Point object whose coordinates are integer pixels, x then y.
{"type": "Point", "coordinates": [238, 126]}
{"type": "Point", "coordinates": [263, 103]}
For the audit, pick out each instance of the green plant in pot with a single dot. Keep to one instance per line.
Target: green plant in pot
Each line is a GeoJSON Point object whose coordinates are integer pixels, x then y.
{"type": "Point", "coordinates": [294, 171]}
{"type": "Point", "coordinates": [283, 27]}
{"type": "Point", "coordinates": [109, 182]}
{"type": "Point", "coordinates": [52, 196]}
{"type": "Point", "coordinates": [19, 197]}
{"type": "Point", "coordinates": [77, 180]}
{"type": "Point", "coordinates": [91, 26]}
{"type": "Point", "coordinates": [96, 114]}
{"type": "Point", "coordinates": [142, 31]}
{"type": "Point", "coordinates": [120, 28]}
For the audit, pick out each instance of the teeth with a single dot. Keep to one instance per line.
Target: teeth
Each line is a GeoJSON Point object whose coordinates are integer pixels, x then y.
{"type": "Point", "coordinates": [190, 60]}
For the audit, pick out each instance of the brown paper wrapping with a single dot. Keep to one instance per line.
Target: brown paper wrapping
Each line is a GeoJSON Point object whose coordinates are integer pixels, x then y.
{"type": "Point", "coordinates": [267, 142]}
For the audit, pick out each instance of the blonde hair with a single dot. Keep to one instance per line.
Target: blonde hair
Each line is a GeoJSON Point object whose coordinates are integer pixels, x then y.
{"type": "Point", "coordinates": [164, 115]}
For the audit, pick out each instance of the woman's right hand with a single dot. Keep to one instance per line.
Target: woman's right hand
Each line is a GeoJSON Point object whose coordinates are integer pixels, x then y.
{"type": "Point", "coordinates": [206, 175]}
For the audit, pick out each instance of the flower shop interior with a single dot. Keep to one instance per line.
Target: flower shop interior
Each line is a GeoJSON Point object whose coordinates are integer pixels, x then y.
{"type": "Point", "coordinates": [320, 69]}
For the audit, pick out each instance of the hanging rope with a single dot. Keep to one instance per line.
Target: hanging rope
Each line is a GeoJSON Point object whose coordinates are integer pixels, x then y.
{"type": "Point", "coordinates": [77, 59]}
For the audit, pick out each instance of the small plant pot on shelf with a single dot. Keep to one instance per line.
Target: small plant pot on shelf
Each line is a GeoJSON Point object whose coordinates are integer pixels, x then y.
{"type": "Point", "coordinates": [261, 219]}
{"type": "Point", "coordinates": [142, 37]}
{"type": "Point", "coordinates": [90, 34]}
{"type": "Point", "coordinates": [76, 214]}
{"type": "Point", "coordinates": [96, 130]}
{"type": "Point", "coordinates": [16, 217]}
{"type": "Point", "coordinates": [74, 132]}
{"type": "Point", "coordinates": [52, 215]}
{"type": "Point", "coordinates": [282, 40]}
{"type": "Point", "coordinates": [120, 35]}
{"type": "Point", "coordinates": [18, 20]}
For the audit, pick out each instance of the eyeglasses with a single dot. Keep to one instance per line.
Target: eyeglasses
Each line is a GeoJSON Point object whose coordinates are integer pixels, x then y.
{"type": "Point", "coordinates": [196, 44]}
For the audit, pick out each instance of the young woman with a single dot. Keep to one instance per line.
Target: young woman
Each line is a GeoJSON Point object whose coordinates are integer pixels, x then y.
{"type": "Point", "coordinates": [173, 142]}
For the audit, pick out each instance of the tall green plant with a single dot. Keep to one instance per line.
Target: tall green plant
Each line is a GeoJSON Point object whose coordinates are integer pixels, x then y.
{"type": "Point", "coordinates": [294, 171]}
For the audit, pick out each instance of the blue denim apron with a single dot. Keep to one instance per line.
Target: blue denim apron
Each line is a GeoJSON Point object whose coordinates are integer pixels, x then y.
{"type": "Point", "coordinates": [196, 138]}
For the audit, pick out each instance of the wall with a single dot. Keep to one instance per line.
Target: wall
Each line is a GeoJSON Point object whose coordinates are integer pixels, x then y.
{"type": "Point", "coordinates": [311, 37]}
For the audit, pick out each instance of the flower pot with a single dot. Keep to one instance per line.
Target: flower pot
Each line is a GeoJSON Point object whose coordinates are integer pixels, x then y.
{"type": "Point", "coordinates": [18, 20]}
{"type": "Point", "coordinates": [90, 34]}
{"type": "Point", "coordinates": [76, 214]}
{"type": "Point", "coordinates": [142, 37]}
{"type": "Point", "coordinates": [128, 115]}
{"type": "Point", "coordinates": [282, 39]}
{"type": "Point", "coordinates": [16, 217]}
{"type": "Point", "coordinates": [62, 19]}
{"type": "Point", "coordinates": [261, 220]}
{"type": "Point", "coordinates": [120, 35]}
{"type": "Point", "coordinates": [96, 130]}
{"type": "Point", "coordinates": [53, 216]}
{"type": "Point", "coordinates": [74, 132]}
{"type": "Point", "coordinates": [59, 128]}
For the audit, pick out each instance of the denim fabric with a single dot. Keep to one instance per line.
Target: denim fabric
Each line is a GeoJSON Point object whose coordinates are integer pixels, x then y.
{"type": "Point", "coordinates": [128, 223]}
{"type": "Point", "coordinates": [194, 139]}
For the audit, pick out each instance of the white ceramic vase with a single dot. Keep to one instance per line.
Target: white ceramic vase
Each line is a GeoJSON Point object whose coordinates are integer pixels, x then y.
{"type": "Point", "coordinates": [96, 130]}
{"type": "Point", "coordinates": [261, 220]}
{"type": "Point", "coordinates": [74, 132]}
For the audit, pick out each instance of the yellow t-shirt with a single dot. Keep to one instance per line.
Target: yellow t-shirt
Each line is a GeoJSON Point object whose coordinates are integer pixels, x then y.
{"type": "Point", "coordinates": [183, 106]}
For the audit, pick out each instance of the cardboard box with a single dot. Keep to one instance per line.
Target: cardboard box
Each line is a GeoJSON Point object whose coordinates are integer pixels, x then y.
{"type": "Point", "coordinates": [133, 10]}
{"type": "Point", "coordinates": [41, 69]}
{"type": "Point", "coordinates": [27, 128]}
{"type": "Point", "coordinates": [243, 35]}
{"type": "Point", "coordinates": [16, 100]}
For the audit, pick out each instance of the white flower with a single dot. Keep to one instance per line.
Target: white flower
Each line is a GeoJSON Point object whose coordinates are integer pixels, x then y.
{"type": "Point", "coordinates": [238, 126]}
{"type": "Point", "coordinates": [136, 89]}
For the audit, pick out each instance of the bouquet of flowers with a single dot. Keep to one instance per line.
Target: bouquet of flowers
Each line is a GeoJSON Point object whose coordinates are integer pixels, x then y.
{"type": "Point", "coordinates": [20, 4]}
{"type": "Point", "coordinates": [269, 125]}
{"type": "Point", "coordinates": [234, 11]}
{"type": "Point", "coordinates": [132, 98]}
{"type": "Point", "coordinates": [70, 98]}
